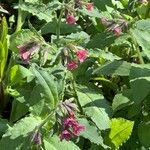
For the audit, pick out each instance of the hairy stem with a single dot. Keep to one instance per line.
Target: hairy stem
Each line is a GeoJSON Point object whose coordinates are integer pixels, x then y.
{"type": "Point", "coordinates": [19, 20]}
{"type": "Point", "coordinates": [59, 23]}
{"type": "Point", "coordinates": [137, 49]}
{"type": "Point", "coordinates": [148, 10]}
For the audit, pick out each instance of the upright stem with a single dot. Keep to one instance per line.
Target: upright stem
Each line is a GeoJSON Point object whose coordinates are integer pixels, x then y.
{"type": "Point", "coordinates": [137, 49]}
{"type": "Point", "coordinates": [19, 20]}
{"type": "Point", "coordinates": [148, 10]}
{"type": "Point", "coordinates": [59, 23]}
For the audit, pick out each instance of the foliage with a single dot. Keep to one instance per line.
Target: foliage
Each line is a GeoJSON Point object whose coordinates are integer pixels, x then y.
{"type": "Point", "coordinates": [74, 74]}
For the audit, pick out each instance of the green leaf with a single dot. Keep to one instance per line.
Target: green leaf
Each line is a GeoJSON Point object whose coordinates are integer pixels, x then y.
{"type": "Point", "coordinates": [64, 28]}
{"type": "Point", "coordinates": [20, 134]}
{"type": "Point", "coordinates": [120, 131]}
{"type": "Point", "coordinates": [4, 125]}
{"type": "Point", "coordinates": [120, 68]}
{"type": "Point", "coordinates": [101, 40]}
{"type": "Point", "coordinates": [3, 30]}
{"type": "Point", "coordinates": [54, 143]}
{"type": "Point", "coordinates": [102, 5]}
{"type": "Point", "coordinates": [49, 86]}
{"type": "Point", "coordinates": [142, 38]}
{"type": "Point", "coordinates": [3, 46]}
{"type": "Point", "coordinates": [94, 106]}
{"type": "Point", "coordinates": [18, 73]}
{"type": "Point", "coordinates": [144, 133]}
{"type": "Point", "coordinates": [119, 102]}
{"type": "Point", "coordinates": [91, 133]}
{"type": "Point", "coordinates": [42, 11]}
{"type": "Point", "coordinates": [140, 89]}
{"type": "Point", "coordinates": [139, 70]}
{"type": "Point", "coordinates": [21, 37]}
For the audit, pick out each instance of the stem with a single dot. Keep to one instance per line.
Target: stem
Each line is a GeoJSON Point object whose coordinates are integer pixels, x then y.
{"type": "Point", "coordinates": [137, 49]}
{"type": "Point", "coordinates": [148, 10]}
{"type": "Point", "coordinates": [19, 20]}
{"type": "Point", "coordinates": [46, 119]}
{"type": "Point", "coordinates": [59, 23]}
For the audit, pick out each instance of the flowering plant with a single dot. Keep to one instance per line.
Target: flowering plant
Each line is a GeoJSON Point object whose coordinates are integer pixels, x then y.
{"type": "Point", "coordinates": [74, 74]}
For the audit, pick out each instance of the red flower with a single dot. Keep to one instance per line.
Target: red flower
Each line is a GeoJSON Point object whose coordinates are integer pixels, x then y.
{"type": "Point", "coordinates": [89, 7]}
{"type": "Point", "coordinates": [117, 30]}
{"type": "Point", "coordinates": [82, 55]}
{"type": "Point", "coordinates": [72, 65]}
{"type": "Point", "coordinates": [65, 135]}
{"type": "Point", "coordinates": [70, 19]}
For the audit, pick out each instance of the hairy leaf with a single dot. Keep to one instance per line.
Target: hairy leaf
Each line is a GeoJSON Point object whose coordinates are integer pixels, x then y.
{"type": "Point", "coordinates": [120, 131]}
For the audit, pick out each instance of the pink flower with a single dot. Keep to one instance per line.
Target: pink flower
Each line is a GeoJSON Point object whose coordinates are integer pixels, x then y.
{"type": "Point", "coordinates": [72, 65]}
{"type": "Point", "coordinates": [24, 53]}
{"type": "Point", "coordinates": [89, 7]}
{"type": "Point", "coordinates": [26, 50]}
{"type": "Point", "coordinates": [70, 19]}
{"type": "Point", "coordinates": [65, 135]}
{"type": "Point", "coordinates": [143, 1]}
{"type": "Point", "coordinates": [71, 127]}
{"type": "Point", "coordinates": [82, 55]}
{"type": "Point", "coordinates": [77, 128]}
{"type": "Point", "coordinates": [117, 30]}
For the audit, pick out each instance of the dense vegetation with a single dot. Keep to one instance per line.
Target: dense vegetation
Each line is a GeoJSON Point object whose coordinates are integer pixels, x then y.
{"type": "Point", "coordinates": [74, 75]}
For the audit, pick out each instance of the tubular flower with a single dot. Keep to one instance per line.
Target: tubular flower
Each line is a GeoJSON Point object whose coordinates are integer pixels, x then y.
{"type": "Point", "coordinates": [65, 135]}
{"type": "Point", "coordinates": [89, 7]}
{"type": "Point", "coordinates": [70, 19]}
{"type": "Point", "coordinates": [26, 50]}
{"type": "Point", "coordinates": [82, 55]}
{"type": "Point", "coordinates": [71, 127]}
{"type": "Point", "coordinates": [24, 53]}
{"type": "Point", "coordinates": [72, 65]}
{"type": "Point", "coordinates": [36, 138]}
{"type": "Point", "coordinates": [117, 30]}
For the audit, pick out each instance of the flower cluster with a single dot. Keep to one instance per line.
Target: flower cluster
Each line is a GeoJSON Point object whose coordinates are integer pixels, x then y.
{"type": "Point", "coordinates": [70, 17]}
{"type": "Point", "coordinates": [114, 26]}
{"type": "Point", "coordinates": [81, 56]}
{"type": "Point", "coordinates": [71, 127]}
{"type": "Point", "coordinates": [26, 50]}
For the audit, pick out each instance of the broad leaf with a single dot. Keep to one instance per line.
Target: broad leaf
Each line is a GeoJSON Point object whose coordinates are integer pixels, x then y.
{"type": "Point", "coordinates": [144, 133]}
{"type": "Point", "coordinates": [120, 68]}
{"type": "Point", "coordinates": [94, 106]}
{"type": "Point", "coordinates": [120, 131]}
{"type": "Point", "coordinates": [91, 133]}
{"type": "Point", "coordinates": [42, 11]}
{"type": "Point", "coordinates": [54, 143]}
{"type": "Point", "coordinates": [20, 134]}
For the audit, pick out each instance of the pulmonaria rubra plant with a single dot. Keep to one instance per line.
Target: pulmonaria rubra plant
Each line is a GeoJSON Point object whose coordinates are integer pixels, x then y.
{"type": "Point", "coordinates": [26, 50]}
{"type": "Point", "coordinates": [80, 56]}
{"type": "Point", "coordinates": [70, 19]}
{"type": "Point", "coordinates": [89, 6]}
{"type": "Point", "coordinates": [72, 65]}
{"type": "Point", "coordinates": [71, 72]}
{"type": "Point", "coordinates": [71, 127]}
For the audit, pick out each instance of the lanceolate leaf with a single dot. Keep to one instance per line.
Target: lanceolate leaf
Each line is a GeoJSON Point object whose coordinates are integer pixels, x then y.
{"type": "Point", "coordinates": [48, 85]}
{"type": "Point", "coordinates": [120, 131]}
{"type": "Point", "coordinates": [3, 46]}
